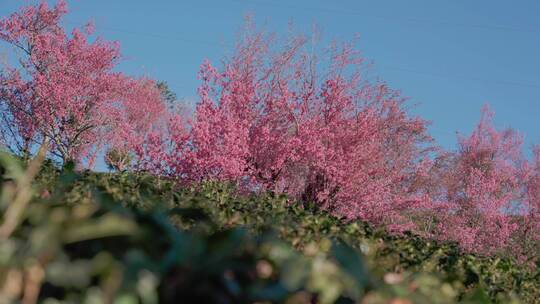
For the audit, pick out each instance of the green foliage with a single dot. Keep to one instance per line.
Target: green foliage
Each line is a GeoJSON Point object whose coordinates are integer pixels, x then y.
{"type": "Point", "coordinates": [127, 238]}
{"type": "Point", "coordinates": [167, 95]}
{"type": "Point", "coordinates": [118, 160]}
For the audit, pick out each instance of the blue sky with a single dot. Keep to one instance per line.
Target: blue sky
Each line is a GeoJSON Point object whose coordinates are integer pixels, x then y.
{"type": "Point", "coordinates": [448, 57]}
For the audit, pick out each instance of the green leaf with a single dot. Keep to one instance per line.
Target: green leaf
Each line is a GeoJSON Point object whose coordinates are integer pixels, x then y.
{"type": "Point", "coordinates": [352, 263]}
{"type": "Point", "coordinates": [108, 225]}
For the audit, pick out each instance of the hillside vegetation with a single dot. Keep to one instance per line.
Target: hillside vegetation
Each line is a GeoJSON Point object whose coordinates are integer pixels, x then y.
{"type": "Point", "coordinates": [271, 117]}
{"type": "Point", "coordinates": [133, 238]}
{"type": "Point", "coordinates": [297, 178]}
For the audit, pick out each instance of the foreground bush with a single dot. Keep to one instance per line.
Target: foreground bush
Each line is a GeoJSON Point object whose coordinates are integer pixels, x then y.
{"type": "Point", "coordinates": [124, 238]}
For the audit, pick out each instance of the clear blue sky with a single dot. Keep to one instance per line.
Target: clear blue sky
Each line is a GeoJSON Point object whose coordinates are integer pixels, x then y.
{"type": "Point", "coordinates": [449, 57]}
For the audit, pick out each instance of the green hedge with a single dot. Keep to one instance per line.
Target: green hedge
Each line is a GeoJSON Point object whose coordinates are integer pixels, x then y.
{"type": "Point", "coordinates": [133, 238]}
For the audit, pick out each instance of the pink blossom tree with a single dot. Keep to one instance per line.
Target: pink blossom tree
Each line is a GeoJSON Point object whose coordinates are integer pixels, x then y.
{"type": "Point", "coordinates": [65, 90]}
{"type": "Point", "coordinates": [483, 189]}
{"type": "Point", "coordinates": [160, 147]}
{"type": "Point", "coordinates": [526, 241]}
{"type": "Point", "coordinates": [277, 118]}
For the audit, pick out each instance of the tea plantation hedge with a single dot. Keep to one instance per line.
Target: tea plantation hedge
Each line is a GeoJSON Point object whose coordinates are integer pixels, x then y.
{"type": "Point", "coordinates": [68, 237]}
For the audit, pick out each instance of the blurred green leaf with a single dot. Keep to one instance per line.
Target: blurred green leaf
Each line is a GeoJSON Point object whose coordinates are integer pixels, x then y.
{"type": "Point", "coordinates": [70, 274]}
{"type": "Point", "coordinates": [108, 225]}
{"type": "Point", "coordinates": [352, 263]}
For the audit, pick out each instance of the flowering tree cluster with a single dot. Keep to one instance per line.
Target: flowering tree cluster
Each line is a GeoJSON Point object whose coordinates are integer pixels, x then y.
{"type": "Point", "coordinates": [280, 120]}
{"type": "Point", "coordinates": [64, 89]}
{"type": "Point", "coordinates": [277, 118]}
